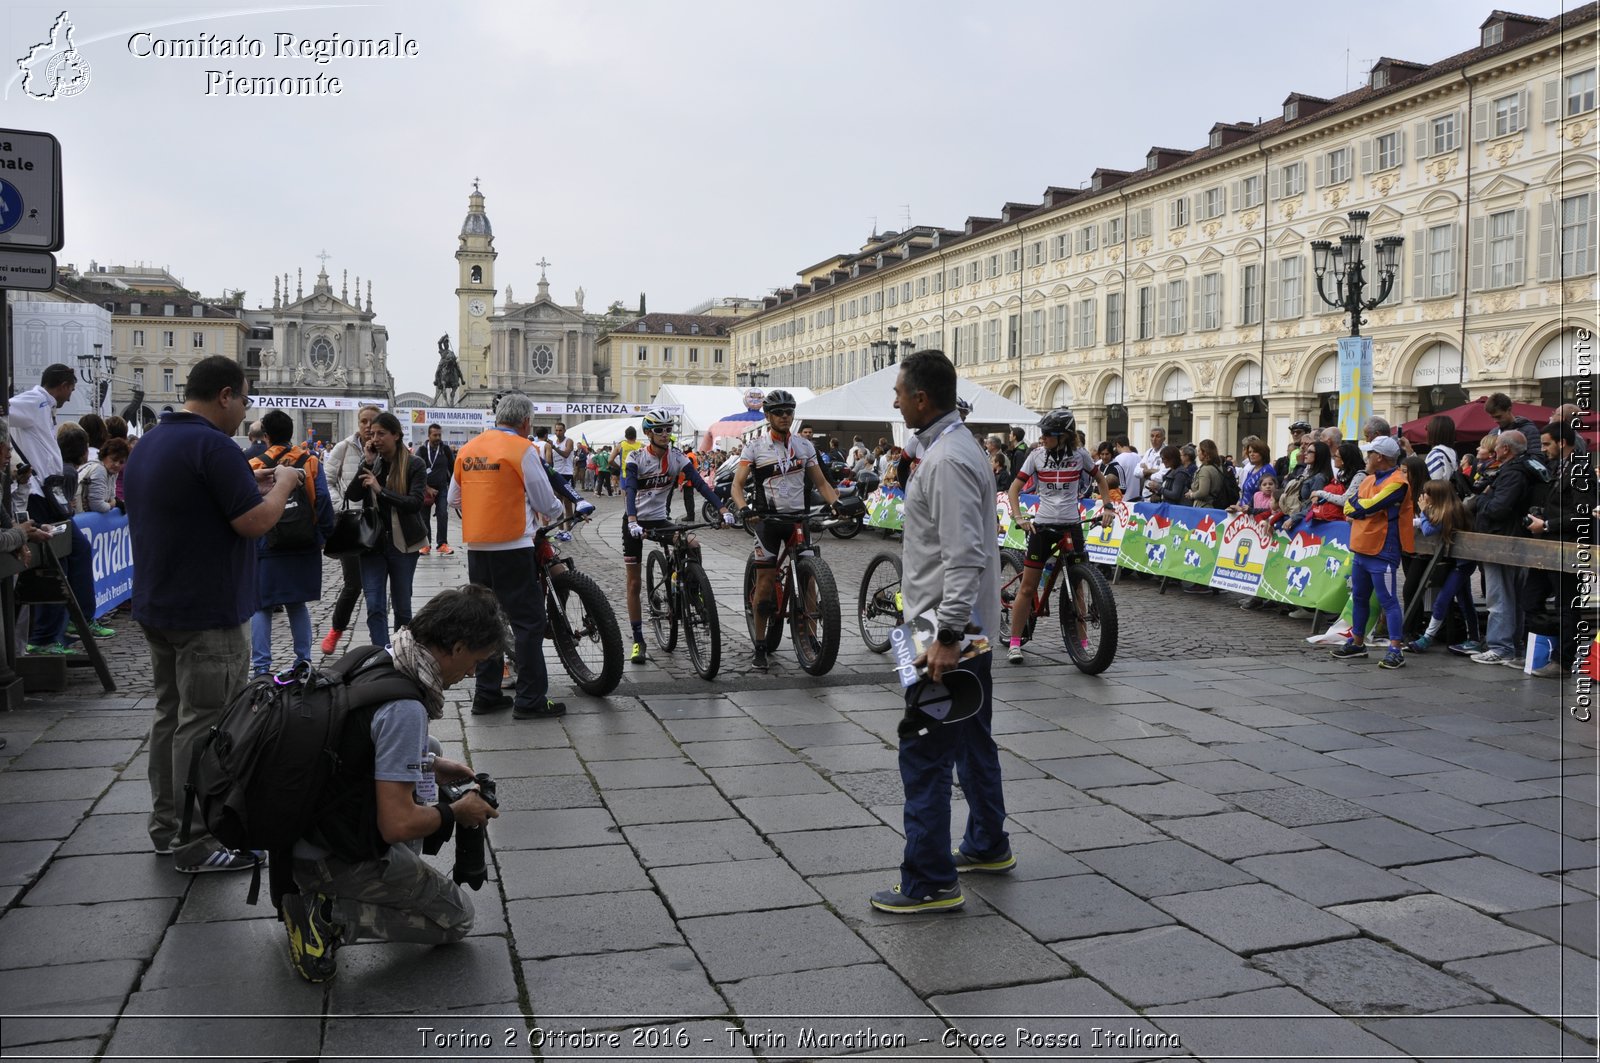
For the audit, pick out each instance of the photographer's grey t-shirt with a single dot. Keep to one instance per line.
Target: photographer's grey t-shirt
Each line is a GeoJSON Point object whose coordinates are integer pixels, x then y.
{"type": "Point", "coordinates": [400, 746]}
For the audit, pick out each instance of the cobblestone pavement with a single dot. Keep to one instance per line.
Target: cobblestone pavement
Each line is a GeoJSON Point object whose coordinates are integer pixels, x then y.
{"type": "Point", "coordinates": [1223, 853]}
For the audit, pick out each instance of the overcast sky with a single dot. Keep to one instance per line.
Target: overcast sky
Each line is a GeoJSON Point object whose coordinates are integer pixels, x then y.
{"type": "Point", "coordinates": [682, 148]}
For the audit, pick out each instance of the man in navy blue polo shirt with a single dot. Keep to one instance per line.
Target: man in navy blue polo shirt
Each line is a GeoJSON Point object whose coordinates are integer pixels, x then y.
{"type": "Point", "coordinates": [195, 511]}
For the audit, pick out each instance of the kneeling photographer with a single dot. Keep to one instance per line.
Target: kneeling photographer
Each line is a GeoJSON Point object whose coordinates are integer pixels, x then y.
{"type": "Point", "coordinates": [359, 870]}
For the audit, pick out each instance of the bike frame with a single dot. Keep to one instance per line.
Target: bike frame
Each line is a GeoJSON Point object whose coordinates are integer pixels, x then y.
{"type": "Point", "coordinates": [675, 549]}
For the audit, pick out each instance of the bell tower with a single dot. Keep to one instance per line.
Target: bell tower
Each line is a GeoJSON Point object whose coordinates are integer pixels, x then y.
{"type": "Point", "coordinates": [475, 291]}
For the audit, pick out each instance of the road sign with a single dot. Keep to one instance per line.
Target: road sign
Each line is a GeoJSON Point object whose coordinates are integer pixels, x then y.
{"type": "Point", "coordinates": [28, 271]}
{"type": "Point", "coordinates": [30, 191]}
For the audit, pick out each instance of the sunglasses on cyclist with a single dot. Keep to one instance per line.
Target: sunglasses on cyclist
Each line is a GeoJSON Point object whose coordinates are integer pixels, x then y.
{"type": "Point", "coordinates": [659, 428]}
{"type": "Point", "coordinates": [781, 413]}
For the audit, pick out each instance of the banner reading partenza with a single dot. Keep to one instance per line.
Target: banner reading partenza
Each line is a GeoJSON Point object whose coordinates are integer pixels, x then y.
{"type": "Point", "coordinates": [599, 409]}
{"type": "Point", "coordinates": [315, 402]}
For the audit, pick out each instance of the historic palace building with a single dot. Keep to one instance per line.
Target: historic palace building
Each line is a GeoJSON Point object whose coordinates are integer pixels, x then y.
{"type": "Point", "coordinates": [1183, 293]}
{"type": "Point", "coordinates": [659, 349]}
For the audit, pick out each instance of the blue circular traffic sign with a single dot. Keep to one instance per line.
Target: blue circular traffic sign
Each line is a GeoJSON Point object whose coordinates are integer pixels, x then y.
{"type": "Point", "coordinates": [10, 206]}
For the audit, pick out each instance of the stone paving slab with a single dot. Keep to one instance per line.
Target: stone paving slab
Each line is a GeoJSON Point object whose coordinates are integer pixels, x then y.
{"type": "Point", "coordinates": [1241, 1026]}
{"type": "Point", "coordinates": [1549, 980]}
{"type": "Point", "coordinates": [1163, 868]}
{"type": "Point", "coordinates": [1163, 965]}
{"type": "Point", "coordinates": [1488, 884]}
{"type": "Point", "coordinates": [1572, 925]}
{"type": "Point", "coordinates": [1326, 876]}
{"type": "Point", "coordinates": [794, 939]}
{"type": "Point", "coordinates": [1434, 928]}
{"type": "Point", "coordinates": [1363, 977]}
{"type": "Point", "coordinates": [1480, 1031]}
{"type": "Point", "coordinates": [1253, 917]}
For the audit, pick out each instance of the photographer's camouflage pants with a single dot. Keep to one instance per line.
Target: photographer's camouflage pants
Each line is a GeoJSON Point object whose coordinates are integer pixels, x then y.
{"type": "Point", "coordinates": [397, 898]}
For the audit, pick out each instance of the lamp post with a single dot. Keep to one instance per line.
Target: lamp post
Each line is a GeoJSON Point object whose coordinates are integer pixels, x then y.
{"type": "Point", "coordinates": [98, 369]}
{"type": "Point", "coordinates": [753, 378]}
{"type": "Point", "coordinates": [1346, 261]}
{"type": "Point", "coordinates": [887, 352]}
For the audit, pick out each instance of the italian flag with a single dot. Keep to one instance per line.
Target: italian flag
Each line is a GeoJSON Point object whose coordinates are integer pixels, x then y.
{"type": "Point", "coordinates": [1591, 660]}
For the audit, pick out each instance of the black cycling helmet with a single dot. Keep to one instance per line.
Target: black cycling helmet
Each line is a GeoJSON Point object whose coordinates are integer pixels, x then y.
{"type": "Point", "coordinates": [963, 406]}
{"type": "Point", "coordinates": [1300, 426]}
{"type": "Point", "coordinates": [1060, 422]}
{"type": "Point", "coordinates": [778, 401]}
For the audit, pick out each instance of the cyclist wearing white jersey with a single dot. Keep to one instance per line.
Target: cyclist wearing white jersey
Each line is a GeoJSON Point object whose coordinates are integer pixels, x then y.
{"type": "Point", "coordinates": [648, 479]}
{"type": "Point", "coordinates": [781, 466]}
{"type": "Point", "coordinates": [1062, 471]}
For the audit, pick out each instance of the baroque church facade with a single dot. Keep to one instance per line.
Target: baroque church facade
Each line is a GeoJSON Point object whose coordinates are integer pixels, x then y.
{"type": "Point", "coordinates": [542, 348]}
{"type": "Point", "coordinates": [328, 354]}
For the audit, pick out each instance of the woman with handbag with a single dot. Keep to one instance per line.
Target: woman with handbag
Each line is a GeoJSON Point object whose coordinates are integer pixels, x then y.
{"type": "Point", "coordinates": [390, 486]}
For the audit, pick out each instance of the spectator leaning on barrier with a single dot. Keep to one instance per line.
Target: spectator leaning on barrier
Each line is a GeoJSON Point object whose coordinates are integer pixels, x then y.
{"type": "Point", "coordinates": [1173, 483]}
{"type": "Point", "coordinates": [97, 480]}
{"type": "Point", "coordinates": [1444, 515]}
{"type": "Point", "coordinates": [289, 574]}
{"type": "Point", "coordinates": [1568, 517]}
{"type": "Point", "coordinates": [1206, 483]}
{"type": "Point", "coordinates": [360, 872]}
{"type": "Point", "coordinates": [342, 468]}
{"type": "Point", "coordinates": [194, 512]}
{"type": "Point", "coordinates": [1380, 518]}
{"type": "Point", "coordinates": [1500, 510]}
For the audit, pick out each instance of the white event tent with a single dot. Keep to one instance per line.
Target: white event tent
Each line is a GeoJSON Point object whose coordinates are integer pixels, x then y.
{"type": "Point", "coordinates": [702, 405]}
{"type": "Point", "coordinates": [869, 402]}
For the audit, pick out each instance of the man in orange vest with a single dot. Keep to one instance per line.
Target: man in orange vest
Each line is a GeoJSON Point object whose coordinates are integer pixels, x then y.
{"type": "Point", "coordinates": [502, 490]}
{"type": "Point", "coordinates": [1380, 528]}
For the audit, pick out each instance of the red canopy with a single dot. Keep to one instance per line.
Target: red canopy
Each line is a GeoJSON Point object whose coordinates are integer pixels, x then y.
{"type": "Point", "coordinates": [1473, 423]}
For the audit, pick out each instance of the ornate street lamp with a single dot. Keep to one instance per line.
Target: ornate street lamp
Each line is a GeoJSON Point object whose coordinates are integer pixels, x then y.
{"type": "Point", "coordinates": [1346, 262]}
{"type": "Point", "coordinates": [753, 378]}
{"type": "Point", "coordinates": [97, 370]}
{"type": "Point", "coordinates": [887, 352]}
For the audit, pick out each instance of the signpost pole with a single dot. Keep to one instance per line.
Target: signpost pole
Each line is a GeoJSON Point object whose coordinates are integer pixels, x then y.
{"type": "Point", "coordinates": [10, 682]}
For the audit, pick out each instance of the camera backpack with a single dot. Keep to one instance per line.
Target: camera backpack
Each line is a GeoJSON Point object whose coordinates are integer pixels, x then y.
{"type": "Point", "coordinates": [261, 776]}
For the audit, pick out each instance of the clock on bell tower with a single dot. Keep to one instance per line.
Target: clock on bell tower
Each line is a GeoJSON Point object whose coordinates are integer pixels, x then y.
{"type": "Point", "coordinates": [475, 291]}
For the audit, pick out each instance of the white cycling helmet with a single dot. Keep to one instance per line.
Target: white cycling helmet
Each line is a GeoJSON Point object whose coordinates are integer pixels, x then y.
{"type": "Point", "coordinates": [657, 417]}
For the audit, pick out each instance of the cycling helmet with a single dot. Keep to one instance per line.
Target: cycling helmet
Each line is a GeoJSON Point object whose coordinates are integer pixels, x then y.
{"type": "Point", "coordinates": [656, 417]}
{"type": "Point", "coordinates": [1300, 426]}
{"type": "Point", "coordinates": [778, 401]}
{"type": "Point", "coordinates": [1059, 422]}
{"type": "Point", "coordinates": [963, 406]}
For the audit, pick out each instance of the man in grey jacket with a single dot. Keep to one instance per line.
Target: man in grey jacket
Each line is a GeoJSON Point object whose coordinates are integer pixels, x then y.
{"type": "Point", "coordinates": [952, 569]}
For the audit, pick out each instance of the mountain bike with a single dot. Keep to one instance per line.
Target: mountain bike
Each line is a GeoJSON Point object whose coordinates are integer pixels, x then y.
{"type": "Point", "coordinates": [677, 591]}
{"type": "Point", "coordinates": [1087, 610]}
{"type": "Point", "coordinates": [880, 608]}
{"type": "Point", "coordinates": [806, 595]}
{"type": "Point", "coordinates": [578, 616]}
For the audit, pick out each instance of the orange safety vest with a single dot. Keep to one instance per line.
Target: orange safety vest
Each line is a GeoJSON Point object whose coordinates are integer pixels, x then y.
{"type": "Point", "coordinates": [1368, 535]}
{"type": "Point", "coordinates": [494, 500]}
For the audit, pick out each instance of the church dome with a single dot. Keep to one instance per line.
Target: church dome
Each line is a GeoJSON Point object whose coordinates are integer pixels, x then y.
{"type": "Point", "coordinates": [477, 224]}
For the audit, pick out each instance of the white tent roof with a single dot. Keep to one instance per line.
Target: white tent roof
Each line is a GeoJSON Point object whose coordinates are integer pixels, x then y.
{"type": "Point", "coordinates": [871, 400]}
{"type": "Point", "coordinates": [603, 430]}
{"type": "Point", "coordinates": [704, 405]}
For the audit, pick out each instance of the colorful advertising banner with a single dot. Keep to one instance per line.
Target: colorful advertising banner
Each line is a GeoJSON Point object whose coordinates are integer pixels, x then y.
{"type": "Point", "coordinates": [590, 410]}
{"type": "Point", "coordinates": [1355, 384]}
{"type": "Point", "coordinates": [1310, 568]}
{"type": "Point", "coordinates": [113, 558]}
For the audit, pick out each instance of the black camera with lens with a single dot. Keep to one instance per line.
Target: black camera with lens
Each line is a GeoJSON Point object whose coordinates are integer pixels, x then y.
{"type": "Point", "coordinates": [471, 868]}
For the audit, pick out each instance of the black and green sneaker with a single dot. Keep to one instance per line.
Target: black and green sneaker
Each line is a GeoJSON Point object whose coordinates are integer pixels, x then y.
{"type": "Point", "coordinates": [312, 936]}
{"type": "Point", "coordinates": [945, 900]}
{"type": "Point", "coordinates": [998, 865]}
